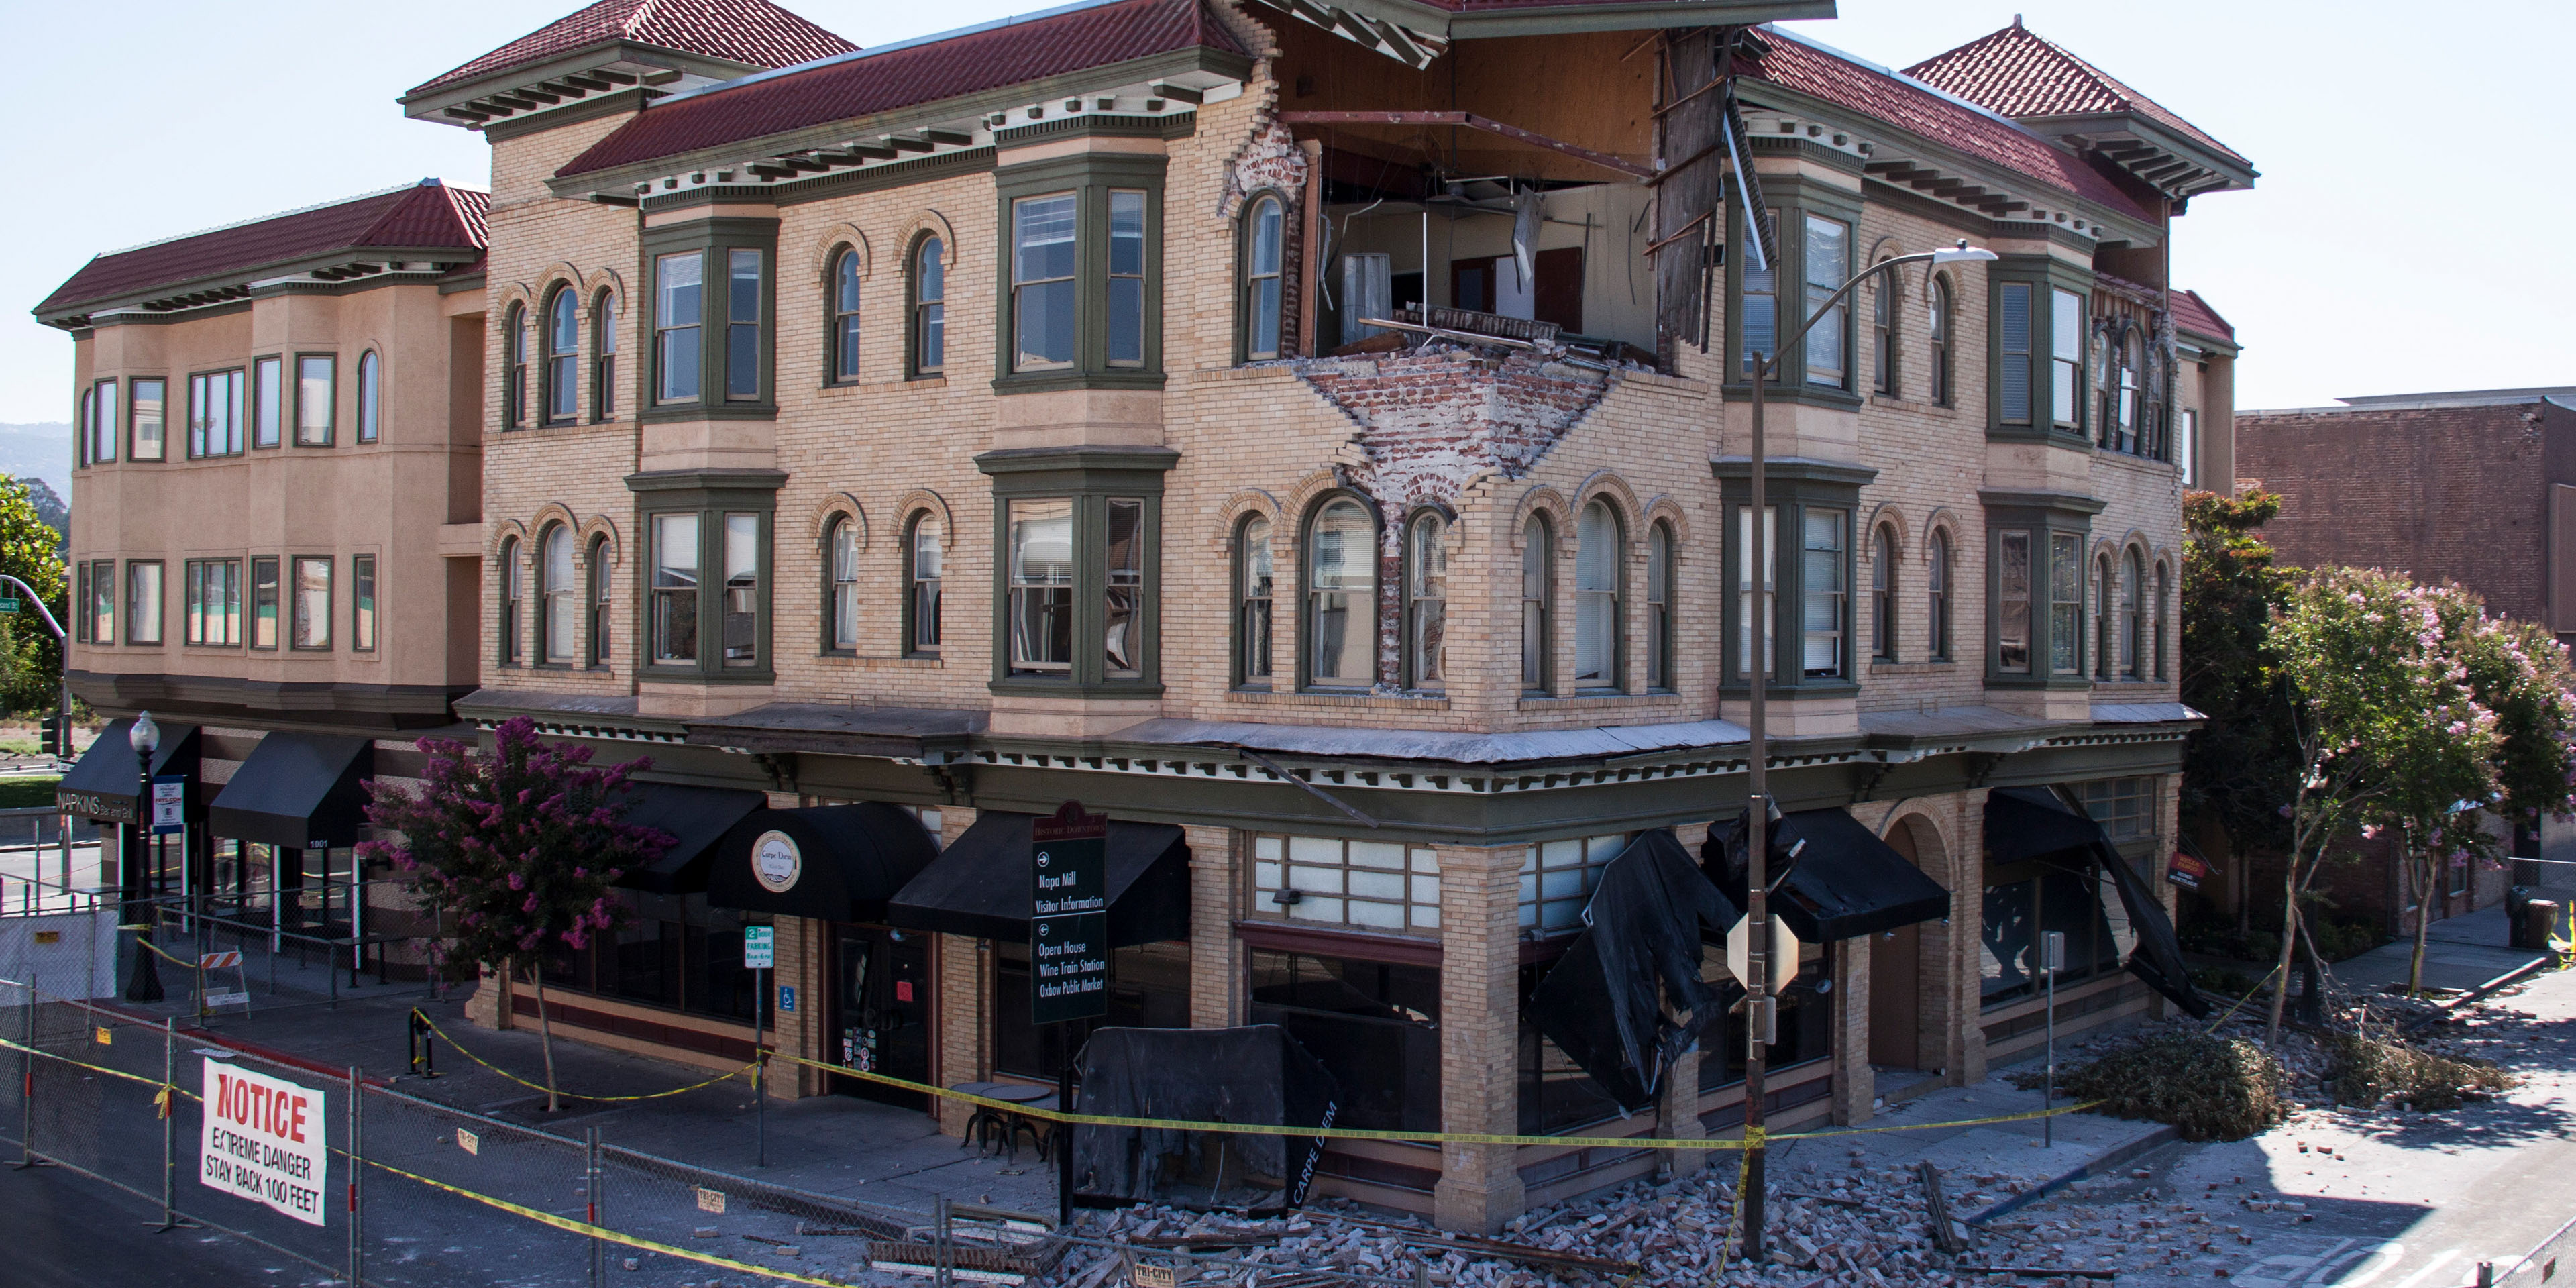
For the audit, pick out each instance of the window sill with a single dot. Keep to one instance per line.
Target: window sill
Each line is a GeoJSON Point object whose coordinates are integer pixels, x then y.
{"type": "Point", "coordinates": [678, 413]}
{"type": "Point", "coordinates": [1348, 698]}
{"type": "Point", "coordinates": [1045, 687]}
{"type": "Point", "coordinates": [1054, 380]}
{"type": "Point", "coordinates": [2075, 682]}
{"type": "Point", "coordinates": [1814, 395]}
{"type": "Point", "coordinates": [737, 675]}
{"type": "Point", "coordinates": [1595, 701]}
{"type": "Point", "coordinates": [1809, 691]}
{"type": "Point", "coordinates": [875, 662]}
{"type": "Point", "coordinates": [1938, 666]}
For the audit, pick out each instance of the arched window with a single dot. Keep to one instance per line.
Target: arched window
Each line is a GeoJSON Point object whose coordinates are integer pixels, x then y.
{"type": "Point", "coordinates": [1252, 574]}
{"type": "Point", "coordinates": [514, 379]}
{"type": "Point", "coordinates": [2104, 618]}
{"type": "Point", "coordinates": [922, 556]}
{"type": "Point", "coordinates": [2133, 651]}
{"type": "Point", "coordinates": [845, 316]}
{"type": "Point", "coordinates": [1426, 603]}
{"type": "Point", "coordinates": [1936, 582]}
{"type": "Point", "coordinates": [841, 551]}
{"type": "Point", "coordinates": [1884, 342]}
{"type": "Point", "coordinates": [1341, 596]}
{"type": "Point", "coordinates": [1537, 571]}
{"type": "Point", "coordinates": [929, 308]}
{"type": "Point", "coordinates": [563, 356]}
{"type": "Point", "coordinates": [560, 588]}
{"type": "Point", "coordinates": [602, 599]}
{"type": "Point", "coordinates": [371, 390]}
{"type": "Point", "coordinates": [604, 319]}
{"type": "Point", "coordinates": [1264, 232]}
{"type": "Point", "coordinates": [1659, 606]}
{"type": "Point", "coordinates": [1596, 598]}
{"type": "Point", "coordinates": [512, 592]}
{"type": "Point", "coordinates": [1939, 331]}
{"type": "Point", "coordinates": [1882, 593]}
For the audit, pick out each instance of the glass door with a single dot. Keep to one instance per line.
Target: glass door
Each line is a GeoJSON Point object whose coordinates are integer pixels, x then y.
{"type": "Point", "coordinates": [881, 1012]}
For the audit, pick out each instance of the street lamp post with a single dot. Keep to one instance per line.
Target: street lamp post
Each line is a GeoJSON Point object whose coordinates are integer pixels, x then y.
{"type": "Point", "coordinates": [1759, 1011]}
{"type": "Point", "coordinates": [145, 984]}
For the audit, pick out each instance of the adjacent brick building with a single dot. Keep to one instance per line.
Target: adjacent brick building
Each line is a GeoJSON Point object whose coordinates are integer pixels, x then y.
{"type": "Point", "coordinates": [1323, 450]}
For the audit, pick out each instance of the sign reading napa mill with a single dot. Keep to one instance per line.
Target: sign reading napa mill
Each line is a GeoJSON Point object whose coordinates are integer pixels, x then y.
{"type": "Point", "coordinates": [1069, 916]}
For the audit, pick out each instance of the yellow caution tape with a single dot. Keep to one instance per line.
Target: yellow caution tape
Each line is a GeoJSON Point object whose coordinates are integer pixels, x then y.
{"type": "Point", "coordinates": [656, 1095]}
{"type": "Point", "coordinates": [182, 962]}
{"type": "Point", "coordinates": [1755, 1140]}
{"type": "Point", "coordinates": [612, 1236]}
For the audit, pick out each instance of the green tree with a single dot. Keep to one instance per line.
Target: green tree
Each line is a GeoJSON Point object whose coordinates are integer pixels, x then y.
{"type": "Point", "coordinates": [2389, 734]}
{"type": "Point", "coordinates": [31, 659]}
{"type": "Point", "coordinates": [2243, 762]}
{"type": "Point", "coordinates": [523, 845]}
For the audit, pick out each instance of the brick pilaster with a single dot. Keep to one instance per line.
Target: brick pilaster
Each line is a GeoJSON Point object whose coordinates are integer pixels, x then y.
{"type": "Point", "coordinates": [1216, 956]}
{"type": "Point", "coordinates": [1480, 1185]}
{"type": "Point", "coordinates": [1855, 1086]}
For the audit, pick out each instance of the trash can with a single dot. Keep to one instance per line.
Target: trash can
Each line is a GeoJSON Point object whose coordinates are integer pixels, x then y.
{"type": "Point", "coordinates": [2516, 923]}
{"type": "Point", "coordinates": [2539, 921]}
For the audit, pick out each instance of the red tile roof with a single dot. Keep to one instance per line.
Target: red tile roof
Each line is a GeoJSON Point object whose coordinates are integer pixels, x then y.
{"type": "Point", "coordinates": [428, 216]}
{"type": "Point", "coordinates": [753, 32]}
{"type": "Point", "coordinates": [2019, 72]}
{"type": "Point", "coordinates": [1794, 63]}
{"type": "Point", "coordinates": [900, 76]}
{"type": "Point", "coordinates": [2193, 314]}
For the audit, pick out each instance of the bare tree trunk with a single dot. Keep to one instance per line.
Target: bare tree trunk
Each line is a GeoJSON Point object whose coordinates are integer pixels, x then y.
{"type": "Point", "coordinates": [545, 1036]}
{"type": "Point", "coordinates": [2420, 869]}
{"type": "Point", "coordinates": [2289, 937]}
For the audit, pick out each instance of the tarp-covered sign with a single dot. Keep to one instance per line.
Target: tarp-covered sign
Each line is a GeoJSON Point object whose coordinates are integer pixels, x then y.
{"type": "Point", "coordinates": [264, 1141]}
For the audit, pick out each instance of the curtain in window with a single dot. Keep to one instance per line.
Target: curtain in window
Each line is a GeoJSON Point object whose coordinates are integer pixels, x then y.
{"type": "Point", "coordinates": [1821, 565]}
{"type": "Point", "coordinates": [923, 602]}
{"type": "Point", "coordinates": [1041, 575]}
{"type": "Point", "coordinates": [1596, 597]}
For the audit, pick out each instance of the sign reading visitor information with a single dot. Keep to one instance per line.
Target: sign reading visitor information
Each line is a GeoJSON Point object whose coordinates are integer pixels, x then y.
{"type": "Point", "coordinates": [1069, 916]}
{"type": "Point", "coordinates": [264, 1140]}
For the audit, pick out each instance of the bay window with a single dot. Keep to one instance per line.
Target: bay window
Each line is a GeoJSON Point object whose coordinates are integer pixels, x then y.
{"type": "Point", "coordinates": [100, 576]}
{"type": "Point", "coordinates": [1075, 606]}
{"type": "Point", "coordinates": [312, 616]}
{"type": "Point", "coordinates": [2039, 369]}
{"type": "Point", "coordinates": [1081, 277]}
{"type": "Point", "coordinates": [707, 590]}
{"type": "Point", "coordinates": [143, 601]}
{"type": "Point", "coordinates": [2037, 592]}
{"type": "Point", "coordinates": [316, 398]}
{"type": "Point", "coordinates": [743, 298]}
{"type": "Point", "coordinates": [1826, 259]}
{"type": "Point", "coordinates": [2066, 357]}
{"type": "Point", "coordinates": [362, 603]}
{"type": "Point", "coordinates": [2012, 602]}
{"type": "Point", "coordinates": [679, 286]}
{"type": "Point", "coordinates": [100, 411]}
{"type": "Point", "coordinates": [215, 409]}
{"type": "Point", "coordinates": [1796, 558]}
{"type": "Point", "coordinates": [263, 602]}
{"type": "Point", "coordinates": [712, 319]}
{"type": "Point", "coordinates": [2065, 604]}
{"type": "Point", "coordinates": [1041, 586]}
{"type": "Point", "coordinates": [1824, 565]}
{"type": "Point", "coordinates": [268, 415]}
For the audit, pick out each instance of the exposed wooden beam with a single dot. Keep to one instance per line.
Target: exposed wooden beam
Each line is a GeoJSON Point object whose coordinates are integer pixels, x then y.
{"type": "Point", "coordinates": [594, 82]}
{"type": "Point", "coordinates": [1177, 93]}
{"type": "Point", "coordinates": [861, 151]}
{"type": "Point", "coordinates": [612, 77]}
{"type": "Point", "coordinates": [539, 94]}
{"type": "Point", "coordinates": [509, 102]}
{"type": "Point", "coordinates": [949, 138]}
{"type": "Point", "coordinates": [907, 143]}
{"type": "Point", "coordinates": [564, 87]}
{"type": "Point", "coordinates": [468, 114]}
{"type": "Point", "coordinates": [1474, 122]}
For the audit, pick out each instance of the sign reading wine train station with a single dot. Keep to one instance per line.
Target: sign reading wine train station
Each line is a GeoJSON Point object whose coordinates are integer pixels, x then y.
{"type": "Point", "coordinates": [264, 1141]}
{"type": "Point", "coordinates": [1068, 916]}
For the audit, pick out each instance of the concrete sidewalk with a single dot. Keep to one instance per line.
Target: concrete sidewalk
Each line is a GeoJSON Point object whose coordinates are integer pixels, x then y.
{"type": "Point", "coordinates": [2460, 953]}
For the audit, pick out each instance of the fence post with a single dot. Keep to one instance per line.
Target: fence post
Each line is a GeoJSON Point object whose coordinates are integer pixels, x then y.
{"type": "Point", "coordinates": [357, 1168]}
{"type": "Point", "coordinates": [941, 1251]}
{"type": "Point", "coordinates": [591, 1177]}
{"type": "Point", "coordinates": [2486, 1274]}
{"type": "Point", "coordinates": [169, 1121]}
{"type": "Point", "coordinates": [27, 1083]}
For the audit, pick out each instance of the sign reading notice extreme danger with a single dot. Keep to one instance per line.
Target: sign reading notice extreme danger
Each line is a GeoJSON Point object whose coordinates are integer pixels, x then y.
{"type": "Point", "coordinates": [264, 1141]}
{"type": "Point", "coordinates": [1068, 916]}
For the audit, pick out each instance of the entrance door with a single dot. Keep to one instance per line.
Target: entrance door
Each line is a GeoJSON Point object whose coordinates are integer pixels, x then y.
{"type": "Point", "coordinates": [1894, 976]}
{"type": "Point", "coordinates": [881, 1012]}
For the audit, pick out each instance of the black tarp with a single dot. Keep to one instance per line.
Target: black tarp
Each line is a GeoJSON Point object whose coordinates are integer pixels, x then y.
{"type": "Point", "coordinates": [1253, 1074]}
{"type": "Point", "coordinates": [696, 819]}
{"type": "Point", "coordinates": [1847, 883]}
{"type": "Point", "coordinates": [2036, 824]}
{"type": "Point", "coordinates": [102, 783]}
{"type": "Point", "coordinates": [1644, 925]}
{"type": "Point", "coordinates": [979, 887]}
{"type": "Point", "coordinates": [850, 859]}
{"type": "Point", "coordinates": [295, 790]}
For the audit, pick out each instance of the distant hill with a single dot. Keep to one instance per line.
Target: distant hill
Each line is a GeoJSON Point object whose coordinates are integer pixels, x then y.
{"type": "Point", "coordinates": [41, 451]}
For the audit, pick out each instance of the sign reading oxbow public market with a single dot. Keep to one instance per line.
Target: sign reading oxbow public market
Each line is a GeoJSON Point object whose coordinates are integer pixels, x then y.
{"type": "Point", "coordinates": [1069, 916]}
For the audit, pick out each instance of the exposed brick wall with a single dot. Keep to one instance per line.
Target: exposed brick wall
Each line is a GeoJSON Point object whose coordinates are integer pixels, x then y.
{"type": "Point", "coordinates": [2441, 494]}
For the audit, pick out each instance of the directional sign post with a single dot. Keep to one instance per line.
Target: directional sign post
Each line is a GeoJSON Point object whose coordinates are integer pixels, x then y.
{"type": "Point", "coordinates": [759, 956]}
{"type": "Point", "coordinates": [1068, 948]}
{"type": "Point", "coordinates": [8, 604]}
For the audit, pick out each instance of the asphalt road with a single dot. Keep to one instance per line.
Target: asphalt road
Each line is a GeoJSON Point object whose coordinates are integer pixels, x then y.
{"type": "Point", "coordinates": [60, 1229]}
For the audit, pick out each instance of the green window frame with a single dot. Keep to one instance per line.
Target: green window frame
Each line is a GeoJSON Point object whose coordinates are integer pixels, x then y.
{"type": "Point", "coordinates": [711, 319]}
{"type": "Point", "coordinates": [317, 398]}
{"type": "Point", "coordinates": [1337, 619]}
{"type": "Point", "coordinates": [1810, 559]}
{"type": "Point", "coordinates": [1077, 538]}
{"type": "Point", "coordinates": [144, 607]}
{"type": "Point", "coordinates": [1816, 228]}
{"type": "Point", "coordinates": [707, 579]}
{"type": "Point", "coordinates": [2038, 371]}
{"type": "Point", "coordinates": [1079, 281]}
{"type": "Point", "coordinates": [2036, 588]}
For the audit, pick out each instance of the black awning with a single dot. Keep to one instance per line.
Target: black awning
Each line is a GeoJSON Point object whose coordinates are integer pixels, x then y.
{"type": "Point", "coordinates": [297, 790]}
{"type": "Point", "coordinates": [829, 862]}
{"type": "Point", "coordinates": [1644, 925]}
{"type": "Point", "coordinates": [102, 783]}
{"type": "Point", "coordinates": [2036, 823]}
{"type": "Point", "coordinates": [1847, 882]}
{"type": "Point", "coordinates": [979, 888]}
{"type": "Point", "coordinates": [696, 818]}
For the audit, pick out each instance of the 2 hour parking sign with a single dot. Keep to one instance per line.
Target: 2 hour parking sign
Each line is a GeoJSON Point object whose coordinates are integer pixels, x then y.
{"type": "Point", "coordinates": [264, 1140]}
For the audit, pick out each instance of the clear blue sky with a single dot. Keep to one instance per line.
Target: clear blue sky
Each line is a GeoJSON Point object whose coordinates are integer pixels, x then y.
{"type": "Point", "coordinates": [2399, 238]}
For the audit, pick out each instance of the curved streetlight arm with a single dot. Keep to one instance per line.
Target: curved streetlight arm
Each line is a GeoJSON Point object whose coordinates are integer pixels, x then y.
{"type": "Point", "coordinates": [39, 601]}
{"type": "Point", "coordinates": [1947, 255]}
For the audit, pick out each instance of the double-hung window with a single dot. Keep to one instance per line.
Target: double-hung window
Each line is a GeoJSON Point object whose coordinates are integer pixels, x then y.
{"type": "Point", "coordinates": [1426, 603]}
{"type": "Point", "coordinates": [1264, 233]}
{"type": "Point", "coordinates": [2038, 594]}
{"type": "Point", "coordinates": [845, 317]}
{"type": "Point", "coordinates": [1757, 585]}
{"type": "Point", "coordinates": [101, 578]}
{"type": "Point", "coordinates": [362, 603]}
{"type": "Point", "coordinates": [2065, 603]}
{"type": "Point", "coordinates": [1659, 607]}
{"type": "Point", "coordinates": [1041, 589]}
{"type": "Point", "coordinates": [1823, 558]}
{"type": "Point", "coordinates": [1790, 613]}
{"type": "Point", "coordinates": [675, 589]}
{"type": "Point", "coordinates": [215, 602]}
{"type": "Point", "coordinates": [1827, 261]}
{"type": "Point", "coordinates": [1044, 259]}
{"type": "Point", "coordinates": [1075, 589]}
{"type": "Point", "coordinates": [1253, 573]}
{"type": "Point", "coordinates": [215, 409]}
{"type": "Point", "coordinates": [263, 602]}
{"type": "Point", "coordinates": [316, 398]}
{"type": "Point", "coordinates": [2066, 357]}
{"type": "Point", "coordinates": [680, 297]}
{"type": "Point", "coordinates": [1599, 547]}
{"type": "Point", "coordinates": [267, 409]}
{"type": "Point", "coordinates": [1759, 308]}
{"type": "Point", "coordinates": [604, 324]}
{"type": "Point", "coordinates": [707, 594]}
{"type": "Point", "coordinates": [371, 381]}
{"type": "Point", "coordinates": [2012, 602]}
{"type": "Point", "coordinates": [147, 418]}
{"type": "Point", "coordinates": [924, 555]}
{"type": "Point", "coordinates": [101, 414]}
{"type": "Point", "coordinates": [1341, 596]}
{"type": "Point", "coordinates": [1126, 333]}
{"type": "Point", "coordinates": [1938, 365]}
{"type": "Point", "coordinates": [841, 573]}
{"type": "Point", "coordinates": [2012, 353]}
{"type": "Point", "coordinates": [742, 324]}
{"type": "Point", "coordinates": [312, 624]}
{"type": "Point", "coordinates": [929, 308]}
{"type": "Point", "coordinates": [563, 356]}
{"type": "Point", "coordinates": [143, 601]}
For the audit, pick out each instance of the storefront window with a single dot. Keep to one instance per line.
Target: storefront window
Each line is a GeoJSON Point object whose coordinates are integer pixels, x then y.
{"type": "Point", "coordinates": [1806, 1026]}
{"type": "Point", "coordinates": [2082, 902]}
{"type": "Point", "coordinates": [1379, 885]}
{"type": "Point", "coordinates": [1556, 1095]}
{"type": "Point", "coordinates": [1149, 988]}
{"type": "Point", "coordinates": [673, 951]}
{"type": "Point", "coordinates": [1557, 878]}
{"type": "Point", "coordinates": [1376, 1027]}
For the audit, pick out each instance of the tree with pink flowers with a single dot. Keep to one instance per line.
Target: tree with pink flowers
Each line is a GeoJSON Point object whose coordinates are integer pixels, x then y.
{"type": "Point", "coordinates": [522, 845]}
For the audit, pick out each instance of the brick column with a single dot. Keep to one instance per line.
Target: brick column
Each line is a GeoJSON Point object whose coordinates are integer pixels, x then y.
{"type": "Point", "coordinates": [1216, 957]}
{"type": "Point", "coordinates": [1966, 1058]}
{"type": "Point", "coordinates": [490, 1004]}
{"type": "Point", "coordinates": [964, 967]}
{"type": "Point", "coordinates": [800, 949]}
{"type": "Point", "coordinates": [1677, 1111]}
{"type": "Point", "coordinates": [1480, 1185]}
{"type": "Point", "coordinates": [1855, 1085]}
